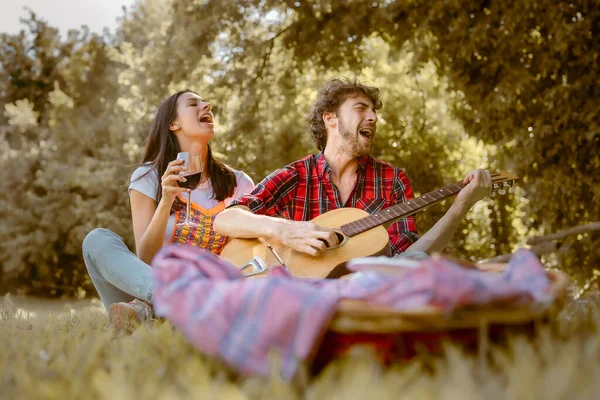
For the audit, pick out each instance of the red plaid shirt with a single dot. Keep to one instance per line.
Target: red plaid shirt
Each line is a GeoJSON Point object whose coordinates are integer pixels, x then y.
{"type": "Point", "coordinates": [303, 190]}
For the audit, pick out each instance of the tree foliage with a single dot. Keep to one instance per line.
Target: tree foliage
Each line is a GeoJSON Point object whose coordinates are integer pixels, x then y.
{"type": "Point", "coordinates": [63, 173]}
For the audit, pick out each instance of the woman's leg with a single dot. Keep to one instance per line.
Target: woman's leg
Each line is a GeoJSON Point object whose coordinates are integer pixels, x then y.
{"type": "Point", "coordinates": [117, 274]}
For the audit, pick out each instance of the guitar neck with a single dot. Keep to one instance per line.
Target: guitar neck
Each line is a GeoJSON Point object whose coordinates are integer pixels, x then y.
{"type": "Point", "coordinates": [401, 210]}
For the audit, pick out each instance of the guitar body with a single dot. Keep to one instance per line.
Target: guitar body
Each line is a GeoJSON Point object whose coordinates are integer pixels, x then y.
{"type": "Point", "coordinates": [329, 264]}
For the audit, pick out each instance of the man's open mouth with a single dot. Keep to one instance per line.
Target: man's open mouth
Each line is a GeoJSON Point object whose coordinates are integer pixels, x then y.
{"type": "Point", "coordinates": [366, 132]}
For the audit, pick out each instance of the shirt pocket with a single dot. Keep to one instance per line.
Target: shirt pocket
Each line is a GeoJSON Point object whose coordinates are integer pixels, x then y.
{"type": "Point", "coordinates": [370, 205]}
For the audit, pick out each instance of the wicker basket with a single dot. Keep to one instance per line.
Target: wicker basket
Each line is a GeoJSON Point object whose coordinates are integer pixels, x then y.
{"type": "Point", "coordinates": [358, 316]}
{"type": "Point", "coordinates": [400, 334]}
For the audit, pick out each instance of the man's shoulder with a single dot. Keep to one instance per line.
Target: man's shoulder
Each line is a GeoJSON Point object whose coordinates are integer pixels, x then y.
{"type": "Point", "coordinates": [310, 159]}
{"type": "Point", "coordinates": [302, 164]}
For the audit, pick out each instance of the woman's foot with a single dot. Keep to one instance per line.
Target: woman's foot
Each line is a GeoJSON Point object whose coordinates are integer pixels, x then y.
{"type": "Point", "coordinates": [121, 315]}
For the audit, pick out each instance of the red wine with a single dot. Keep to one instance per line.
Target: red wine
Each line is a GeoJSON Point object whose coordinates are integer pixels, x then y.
{"type": "Point", "coordinates": [193, 181]}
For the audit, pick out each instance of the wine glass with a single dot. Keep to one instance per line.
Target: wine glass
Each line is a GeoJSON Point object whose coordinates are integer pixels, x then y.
{"type": "Point", "coordinates": [193, 174]}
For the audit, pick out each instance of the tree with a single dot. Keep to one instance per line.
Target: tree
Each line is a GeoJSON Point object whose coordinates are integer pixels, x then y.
{"type": "Point", "coordinates": [70, 158]}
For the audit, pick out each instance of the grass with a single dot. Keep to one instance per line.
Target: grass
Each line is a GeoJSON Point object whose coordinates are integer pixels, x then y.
{"type": "Point", "coordinates": [75, 355]}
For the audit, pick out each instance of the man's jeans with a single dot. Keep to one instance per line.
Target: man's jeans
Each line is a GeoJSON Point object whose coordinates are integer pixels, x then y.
{"type": "Point", "coordinates": [117, 273]}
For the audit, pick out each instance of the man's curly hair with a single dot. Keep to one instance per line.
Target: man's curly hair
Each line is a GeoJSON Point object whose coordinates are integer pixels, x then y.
{"type": "Point", "coordinates": [330, 98]}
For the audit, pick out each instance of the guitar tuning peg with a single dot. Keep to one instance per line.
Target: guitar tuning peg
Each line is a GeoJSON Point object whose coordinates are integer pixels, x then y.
{"type": "Point", "coordinates": [511, 190]}
{"type": "Point", "coordinates": [493, 193]}
{"type": "Point", "coordinates": [502, 191]}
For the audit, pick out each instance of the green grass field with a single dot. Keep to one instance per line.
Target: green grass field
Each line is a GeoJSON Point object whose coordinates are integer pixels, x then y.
{"type": "Point", "coordinates": [70, 353]}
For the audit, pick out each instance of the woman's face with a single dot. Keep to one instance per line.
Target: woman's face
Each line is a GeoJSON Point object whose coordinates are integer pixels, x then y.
{"type": "Point", "coordinates": [194, 118]}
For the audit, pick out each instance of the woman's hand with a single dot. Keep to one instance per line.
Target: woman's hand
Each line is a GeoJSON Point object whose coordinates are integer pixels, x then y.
{"type": "Point", "coordinates": [170, 179]}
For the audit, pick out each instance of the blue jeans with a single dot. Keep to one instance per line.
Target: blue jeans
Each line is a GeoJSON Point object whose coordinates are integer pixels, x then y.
{"type": "Point", "coordinates": [117, 273]}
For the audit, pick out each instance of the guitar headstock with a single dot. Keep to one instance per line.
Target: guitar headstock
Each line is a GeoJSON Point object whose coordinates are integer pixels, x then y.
{"type": "Point", "coordinates": [502, 180]}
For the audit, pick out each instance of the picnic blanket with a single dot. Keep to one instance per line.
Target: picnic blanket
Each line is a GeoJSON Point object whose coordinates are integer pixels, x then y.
{"type": "Point", "coordinates": [241, 320]}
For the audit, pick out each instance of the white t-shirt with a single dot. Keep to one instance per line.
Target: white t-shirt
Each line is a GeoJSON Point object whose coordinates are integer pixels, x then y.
{"type": "Point", "coordinates": [203, 208]}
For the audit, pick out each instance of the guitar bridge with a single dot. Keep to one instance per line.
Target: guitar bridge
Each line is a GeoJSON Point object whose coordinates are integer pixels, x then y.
{"type": "Point", "coordinates": [257, 266]}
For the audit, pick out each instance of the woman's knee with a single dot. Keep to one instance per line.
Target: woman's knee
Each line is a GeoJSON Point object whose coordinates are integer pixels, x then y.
{"type": "Point", "coordinates": [99, 241]}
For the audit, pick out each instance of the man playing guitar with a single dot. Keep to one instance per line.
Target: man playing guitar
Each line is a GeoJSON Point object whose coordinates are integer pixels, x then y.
{"type": "Point", "coordinates": [343, 123]}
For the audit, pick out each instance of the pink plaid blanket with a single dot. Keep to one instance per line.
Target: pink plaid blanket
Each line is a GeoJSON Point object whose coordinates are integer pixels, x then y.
{"type": "Point", "coordinates": [242, 320]}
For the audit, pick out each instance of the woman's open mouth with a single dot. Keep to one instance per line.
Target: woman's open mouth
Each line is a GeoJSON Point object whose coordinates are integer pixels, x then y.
{"type": "Point", "coordinates": [206, 118]}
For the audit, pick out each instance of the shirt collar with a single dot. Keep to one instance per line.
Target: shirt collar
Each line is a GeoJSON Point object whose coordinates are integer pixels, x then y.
{"type": "Point", "coordinates": [323, 166]}
{"type": "Point", "coordinates": [362, 165]}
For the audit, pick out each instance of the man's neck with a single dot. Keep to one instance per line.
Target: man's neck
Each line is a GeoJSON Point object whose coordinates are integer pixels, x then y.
{"type": "Point", "coordinates": [343, 165]}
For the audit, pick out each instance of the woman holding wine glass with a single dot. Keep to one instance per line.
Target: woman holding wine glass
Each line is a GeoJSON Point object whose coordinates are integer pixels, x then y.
{"type": "Point", "coordinates": [177, 161]}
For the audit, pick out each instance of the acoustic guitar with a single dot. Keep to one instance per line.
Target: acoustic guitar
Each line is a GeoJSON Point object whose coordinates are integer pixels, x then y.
{"type": "Point", "coordinates": [359, 234]}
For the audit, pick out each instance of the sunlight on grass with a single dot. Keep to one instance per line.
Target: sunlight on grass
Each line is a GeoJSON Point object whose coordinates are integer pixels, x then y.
{"type": "Point", "coordinates": [73, 353]}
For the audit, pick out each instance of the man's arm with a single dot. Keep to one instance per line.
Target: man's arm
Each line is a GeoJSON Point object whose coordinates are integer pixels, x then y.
{"type": "Point", "coordinates": [240, 222]}
{"type": "Point", "coordinates": [303, 236]}
{"type": "Point", "coordinates": [479, 185]}
{"type": "Point", "coordinates": [436, 238]}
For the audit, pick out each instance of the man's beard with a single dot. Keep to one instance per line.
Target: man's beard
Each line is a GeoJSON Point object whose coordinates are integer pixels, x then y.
{"type": "Point", "coordinates": [352, 141]}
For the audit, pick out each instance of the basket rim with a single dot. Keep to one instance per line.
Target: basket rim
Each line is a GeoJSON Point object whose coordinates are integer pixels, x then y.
{"type": "Point", "coordinates": [362, 316]}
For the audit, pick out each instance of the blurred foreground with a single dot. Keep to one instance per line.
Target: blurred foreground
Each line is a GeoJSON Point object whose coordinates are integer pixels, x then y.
{"type": "Point", "coordinates": [55, 349]}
